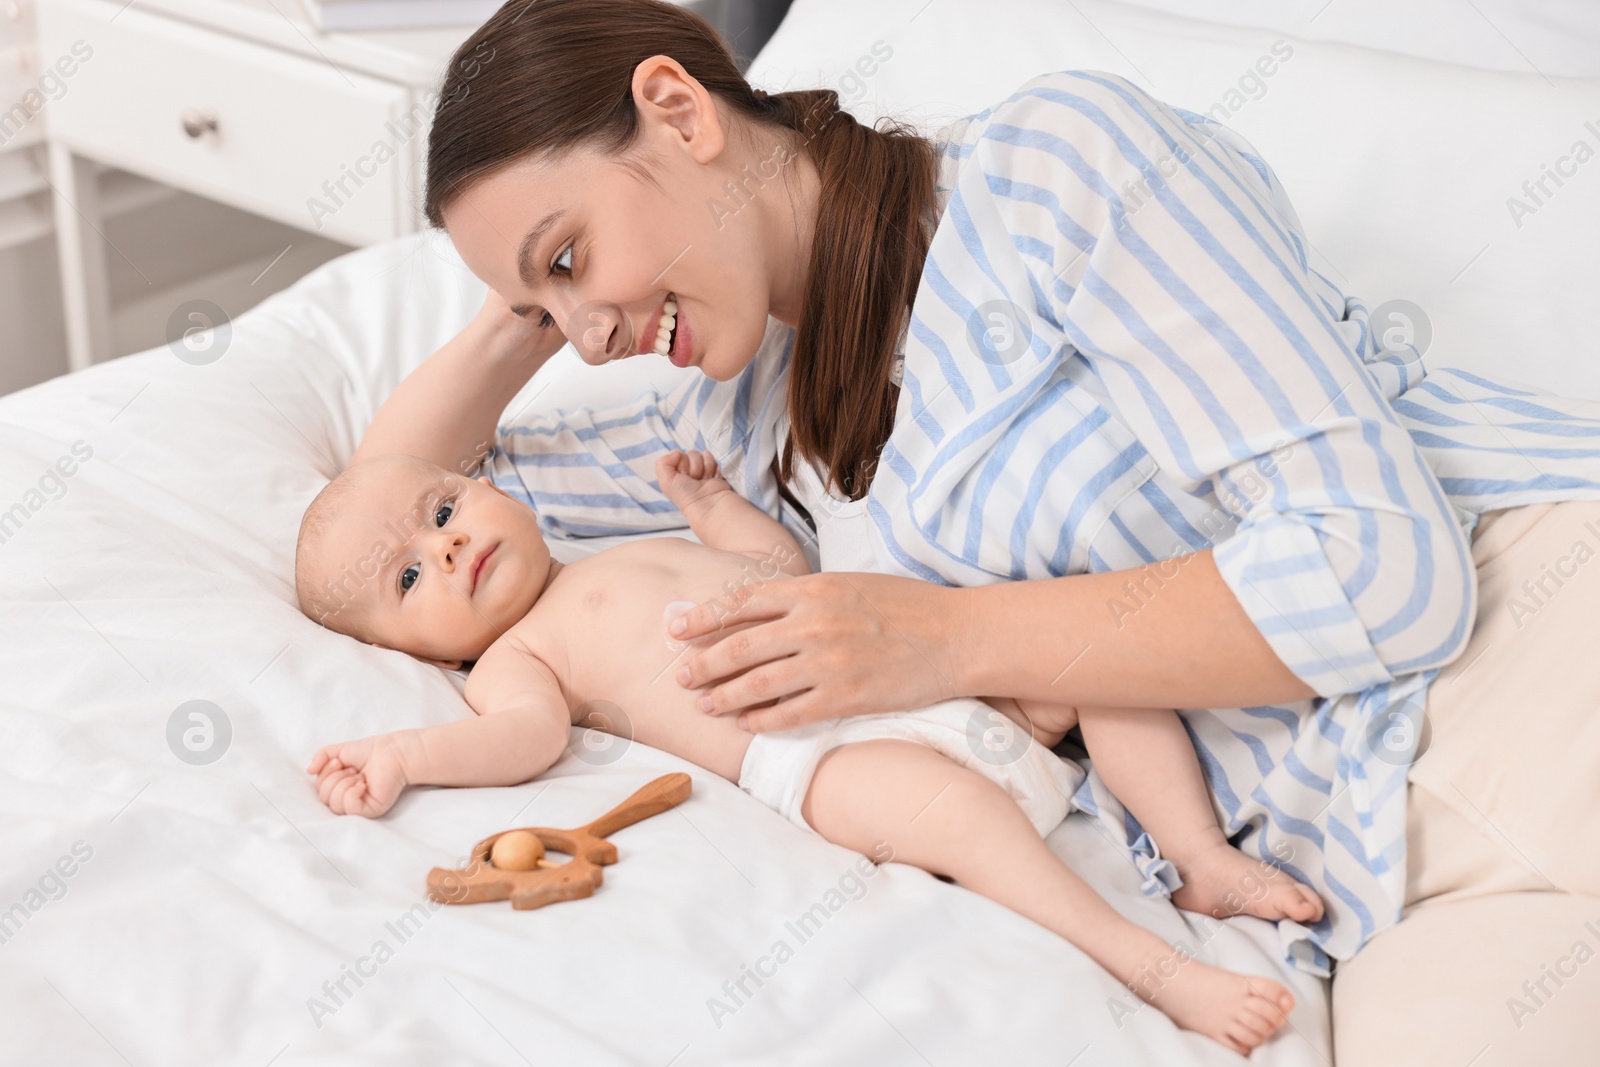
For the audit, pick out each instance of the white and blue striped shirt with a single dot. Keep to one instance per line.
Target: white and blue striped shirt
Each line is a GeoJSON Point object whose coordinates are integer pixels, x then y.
{"type": "Point", "coordinates": [1119, 353]}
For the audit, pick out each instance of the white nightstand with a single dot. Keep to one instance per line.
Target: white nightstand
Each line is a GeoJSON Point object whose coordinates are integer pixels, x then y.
{"type": "Point", "coordinates": [241, 101]}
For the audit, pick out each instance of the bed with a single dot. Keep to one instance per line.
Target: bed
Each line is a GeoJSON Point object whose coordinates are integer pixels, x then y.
{"type": "Point", "coordinates": [172, 892]}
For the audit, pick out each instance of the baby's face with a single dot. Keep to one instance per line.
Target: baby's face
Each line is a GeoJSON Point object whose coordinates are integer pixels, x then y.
{"type": "Point", "coordinates": [403, 552]}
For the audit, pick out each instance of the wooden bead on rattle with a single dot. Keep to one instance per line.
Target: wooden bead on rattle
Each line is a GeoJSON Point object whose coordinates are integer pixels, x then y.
{"type": "Point", "coordinates": [518, 850]}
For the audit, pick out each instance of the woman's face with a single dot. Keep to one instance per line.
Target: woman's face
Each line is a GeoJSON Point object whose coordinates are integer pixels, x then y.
{"type": "Point", "coordinates": [599, 247]}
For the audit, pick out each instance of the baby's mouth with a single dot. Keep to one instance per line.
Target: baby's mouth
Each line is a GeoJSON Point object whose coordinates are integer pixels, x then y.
{"type": "Point", "coordinates": [477, 568]}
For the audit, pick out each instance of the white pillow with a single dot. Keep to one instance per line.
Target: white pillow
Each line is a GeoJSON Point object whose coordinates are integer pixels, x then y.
{"type": "Point", "coordinates": [1399, 168]}
{"type": "Point", "coordinates": [1553, 37]}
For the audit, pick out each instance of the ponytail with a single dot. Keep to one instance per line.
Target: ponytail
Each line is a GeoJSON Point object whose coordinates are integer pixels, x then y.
{"type": "Point", "coordinates": [874, 223]}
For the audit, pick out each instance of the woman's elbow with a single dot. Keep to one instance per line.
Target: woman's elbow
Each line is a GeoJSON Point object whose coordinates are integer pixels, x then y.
{"type": "Point", "coordinates": [1424, 592]}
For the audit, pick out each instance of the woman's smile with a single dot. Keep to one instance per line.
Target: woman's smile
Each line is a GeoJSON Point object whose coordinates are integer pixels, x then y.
{"type": "Point", "coordinates": [681, 351]}
{"type": "Point", "coordinates": [668, 333]}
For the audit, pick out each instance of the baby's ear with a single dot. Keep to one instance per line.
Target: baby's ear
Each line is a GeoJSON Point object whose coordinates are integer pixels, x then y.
{"type": "Point", "coordinates": [447, 664]}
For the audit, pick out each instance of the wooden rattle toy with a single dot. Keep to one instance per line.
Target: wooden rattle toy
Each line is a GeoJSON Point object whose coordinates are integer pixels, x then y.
{"type": "Point", "coordinates": [511, 864]}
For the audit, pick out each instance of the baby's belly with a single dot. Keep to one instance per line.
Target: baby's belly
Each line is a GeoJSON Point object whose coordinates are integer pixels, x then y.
{"type": "Point", "coordinates": [662, 714]}
{"type": "Point", "coordinates": [622, 665]}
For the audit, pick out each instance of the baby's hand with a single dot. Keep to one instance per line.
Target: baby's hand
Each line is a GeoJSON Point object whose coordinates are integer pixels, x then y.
{"type": "Point", "coordinates": [690, 477]}
{"type": "Point", "coordinates": [362, 777]}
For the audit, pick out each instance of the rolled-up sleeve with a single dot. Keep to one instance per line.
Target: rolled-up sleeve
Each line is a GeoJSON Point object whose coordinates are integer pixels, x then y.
{"type": "Point", "coordinates": [1175, 265]}
{"type": "Point", "coordinates": [589, 473]}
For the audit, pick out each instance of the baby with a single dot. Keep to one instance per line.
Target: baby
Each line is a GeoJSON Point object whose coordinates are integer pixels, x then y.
{"type": "Point", "coordinates": [404, 554]}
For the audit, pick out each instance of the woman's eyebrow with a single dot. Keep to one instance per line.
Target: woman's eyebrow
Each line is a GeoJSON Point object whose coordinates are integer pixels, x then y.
{"type": "Point", "coordinates": [525, 269]}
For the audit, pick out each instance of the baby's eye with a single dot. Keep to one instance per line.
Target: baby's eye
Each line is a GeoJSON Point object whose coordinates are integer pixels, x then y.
{"type": "Point", "coordinates": [409, 576]}
{"type": "Point", "coordinates": [446, 509]}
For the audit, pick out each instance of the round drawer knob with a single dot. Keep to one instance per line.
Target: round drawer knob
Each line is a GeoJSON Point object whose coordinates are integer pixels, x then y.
{"type": "Point", "coordinates": [198, 123]}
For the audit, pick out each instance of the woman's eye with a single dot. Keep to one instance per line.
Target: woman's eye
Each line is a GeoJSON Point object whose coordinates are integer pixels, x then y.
{"type": "Point", "coordinates": [409, 576]}
{"type": "Point", "coordinates": [446, 509]}
{"type": "Point", "coordinates": [566, 254]}
{"type": "Point", "coordinates": [546, 321]}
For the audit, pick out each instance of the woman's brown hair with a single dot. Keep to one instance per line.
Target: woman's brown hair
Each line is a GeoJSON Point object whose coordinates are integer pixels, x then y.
{"type": "Point", "coordinates": [544, 76]}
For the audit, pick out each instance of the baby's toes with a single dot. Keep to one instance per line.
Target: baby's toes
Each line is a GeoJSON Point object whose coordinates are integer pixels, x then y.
{"type": "Point", "coordinates": [1309, 908]}
{"type": "Point", "coordinates": [1242, 1038]}
{"type": "Point", "coordinates": [1263, 1020]}
{"type": "Point", "coordinates": [1269, 1000]}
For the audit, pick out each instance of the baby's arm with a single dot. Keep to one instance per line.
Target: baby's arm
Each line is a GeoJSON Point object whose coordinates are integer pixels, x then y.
{"type": "Point", "coordinates": [520, 730]}
{"type": "Point", "coordinates": [722, 518]}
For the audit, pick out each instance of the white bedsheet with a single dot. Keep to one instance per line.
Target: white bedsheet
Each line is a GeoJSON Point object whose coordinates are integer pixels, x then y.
{"type": "Point", "coordinates": [217, 900]}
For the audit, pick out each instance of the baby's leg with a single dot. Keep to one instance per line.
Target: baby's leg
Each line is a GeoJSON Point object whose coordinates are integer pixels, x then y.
{"type": "Point", "coordinates": [952, 821]}
{"type": "Point", "coordinates": [1146, 759]}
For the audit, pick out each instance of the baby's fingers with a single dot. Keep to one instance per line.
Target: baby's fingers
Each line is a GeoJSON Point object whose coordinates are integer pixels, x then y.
{"type": "Point", "coordinates": [328, 783]}
{"type": "Point", "coordinates": [347, 795]}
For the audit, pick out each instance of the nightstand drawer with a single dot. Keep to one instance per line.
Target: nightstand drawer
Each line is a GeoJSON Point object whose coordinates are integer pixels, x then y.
{"type": "Point", "coordinates": [281, 135]}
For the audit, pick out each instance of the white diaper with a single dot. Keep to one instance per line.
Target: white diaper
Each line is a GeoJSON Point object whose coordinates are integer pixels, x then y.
{"type": "Point", "coordinates": [778, 767]}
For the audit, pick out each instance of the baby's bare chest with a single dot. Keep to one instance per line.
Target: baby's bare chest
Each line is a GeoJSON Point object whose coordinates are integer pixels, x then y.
{"type": "Point", "coordinates": [602, 624]}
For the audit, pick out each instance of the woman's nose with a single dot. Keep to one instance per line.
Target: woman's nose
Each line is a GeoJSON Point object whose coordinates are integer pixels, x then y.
{"type": "Point", "coordinates": [600, 331]}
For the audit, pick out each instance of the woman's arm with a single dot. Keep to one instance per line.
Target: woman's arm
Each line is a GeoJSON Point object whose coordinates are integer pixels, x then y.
{"type": "Point", "coordinates": [445, 411]}
{"type": "Point", "coordinates": [848, 643]}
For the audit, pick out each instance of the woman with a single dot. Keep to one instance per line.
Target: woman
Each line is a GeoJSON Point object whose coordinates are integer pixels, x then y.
{"type": "Point", "coordinates": [1073, 339]}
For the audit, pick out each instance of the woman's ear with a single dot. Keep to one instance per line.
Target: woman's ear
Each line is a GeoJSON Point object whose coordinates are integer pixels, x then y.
{"type": "Point", "coordinates": [667, 96]}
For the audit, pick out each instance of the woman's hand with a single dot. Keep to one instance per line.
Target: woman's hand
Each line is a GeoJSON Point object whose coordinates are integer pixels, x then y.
{"type": "Point", "coordinates": [823, 646]}
{"type": "Point", "coordinates": [511, 336]}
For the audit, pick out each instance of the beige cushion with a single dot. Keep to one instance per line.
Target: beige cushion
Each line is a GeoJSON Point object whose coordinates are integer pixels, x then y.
{"type": "Point", "coordinates": [1515, 721]}
{"type": "Point", "coordinates": [1437, 990]}
{"type": "Point", "coordinates": [1502, 827]}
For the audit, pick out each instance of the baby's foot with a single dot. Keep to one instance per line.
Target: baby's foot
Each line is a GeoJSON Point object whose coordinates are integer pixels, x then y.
{"type": "Point", "coordinates": [1240, 1011]}
{"type": "Point", "coordinates": [1221, 881]}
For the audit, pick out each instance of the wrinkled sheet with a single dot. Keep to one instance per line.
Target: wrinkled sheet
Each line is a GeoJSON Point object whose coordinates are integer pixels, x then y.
{"type": "Point", "coordinates": [212, 910]}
